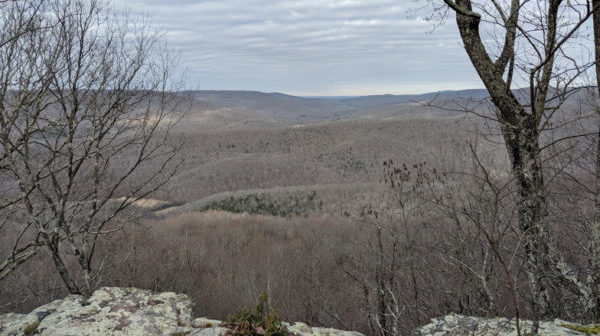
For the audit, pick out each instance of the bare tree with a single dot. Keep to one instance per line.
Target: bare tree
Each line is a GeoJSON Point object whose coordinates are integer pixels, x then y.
{"type": "Point", "coordinates": [25, 74]}
{"type": "Point", "coordinates": [531, 51]}
{"type": "Point", "coordinates": [388, 268]}
{"type": "Point", "coordinates": [478, 194]}
{"type": "Point", "coordinates": [595, 227]}
{"type": "Point", "coordinates": [85, 125]}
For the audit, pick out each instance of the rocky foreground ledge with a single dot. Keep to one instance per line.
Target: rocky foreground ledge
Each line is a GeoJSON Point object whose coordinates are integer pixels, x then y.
{"type": "Point", "coordinates": [458, 325]}
{"type": "Point", "coordinates": [132, 311]}
{"type": "Point", "coordinates": [127, 311]}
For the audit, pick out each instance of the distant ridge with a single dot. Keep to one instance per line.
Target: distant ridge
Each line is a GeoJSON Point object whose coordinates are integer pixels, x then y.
{"type": "Point", "coordinates": [329, 97]}
{"type": "Point", "coordinates": [215, 109]}
{"type": "Point", "coordinates": [445, 94]}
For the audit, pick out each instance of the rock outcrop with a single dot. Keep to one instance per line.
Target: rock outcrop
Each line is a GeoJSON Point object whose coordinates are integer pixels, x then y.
{"type": "Point", "coordinates": [458, 325]}
{"type": "Point", "coordinates": [132, 311]}
{"type": "Point", "coordinates": [127, 311]}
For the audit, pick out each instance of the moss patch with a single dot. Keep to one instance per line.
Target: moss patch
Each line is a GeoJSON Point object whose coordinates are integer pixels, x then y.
{"type": "Point", "coordinates": [28, 330]}
{"type": "Point", "coordinates": [181, 333]}
{"type": "Point", "coordinates": [589, 330]}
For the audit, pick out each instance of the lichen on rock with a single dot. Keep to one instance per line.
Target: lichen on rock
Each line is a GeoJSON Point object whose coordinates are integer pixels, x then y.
{"type": "Point", "coordinates": [458, 325]}
{"type": "Point", "coordinates": [109, 311]}
{"type": "Point", "coordinates": [127, 311]}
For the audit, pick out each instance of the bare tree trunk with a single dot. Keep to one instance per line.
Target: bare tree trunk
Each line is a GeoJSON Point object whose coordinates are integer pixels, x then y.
{"type": "Point", "coordinates": [595, 241]}
{"type": "Point", "coordinates": [521, 138]}
{"type": "Point", "coordinates": [54, 248]}
{"type": "Point", "coordinates": [520, 129]}
{"type": "Point", "coordinates": [526, 162]}
{"type": "Point", "coordinates": [381, 288]}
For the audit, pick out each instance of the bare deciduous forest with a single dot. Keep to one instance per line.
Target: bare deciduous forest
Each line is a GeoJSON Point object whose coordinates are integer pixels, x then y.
{"type": "Point", "coordinates": [370, 213]}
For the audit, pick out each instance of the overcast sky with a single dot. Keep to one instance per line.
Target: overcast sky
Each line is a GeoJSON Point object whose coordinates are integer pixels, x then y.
{"type": "Point", "coordinates": [311, 47]}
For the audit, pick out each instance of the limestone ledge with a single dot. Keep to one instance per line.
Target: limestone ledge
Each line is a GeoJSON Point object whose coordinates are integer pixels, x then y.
{"type": "Point", "coordinates": [127, 311]}
{"type": "Point", "coordinates": [459, 325]}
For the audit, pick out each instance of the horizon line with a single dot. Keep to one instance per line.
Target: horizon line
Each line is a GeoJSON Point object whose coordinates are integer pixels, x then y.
{"type": "Point", "coordinates": [332, 94]}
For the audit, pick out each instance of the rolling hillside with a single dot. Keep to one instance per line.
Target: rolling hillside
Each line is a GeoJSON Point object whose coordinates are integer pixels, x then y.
{"type": "Point", "coordinates": [242, 109]}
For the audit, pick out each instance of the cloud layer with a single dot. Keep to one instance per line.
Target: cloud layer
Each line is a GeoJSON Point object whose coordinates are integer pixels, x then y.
{"type": "Point", "coordinates": [310, 47]}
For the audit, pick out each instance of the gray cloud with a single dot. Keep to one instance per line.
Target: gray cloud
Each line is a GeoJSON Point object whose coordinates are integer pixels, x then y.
{"type": "Point", "coordinates": [310, 46]}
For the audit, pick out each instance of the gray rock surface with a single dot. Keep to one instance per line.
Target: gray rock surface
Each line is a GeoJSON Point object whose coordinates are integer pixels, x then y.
{"type": "Point", "coordinates": [458, 325]}
{"type": "Point", "coordinates": [126, 311]}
